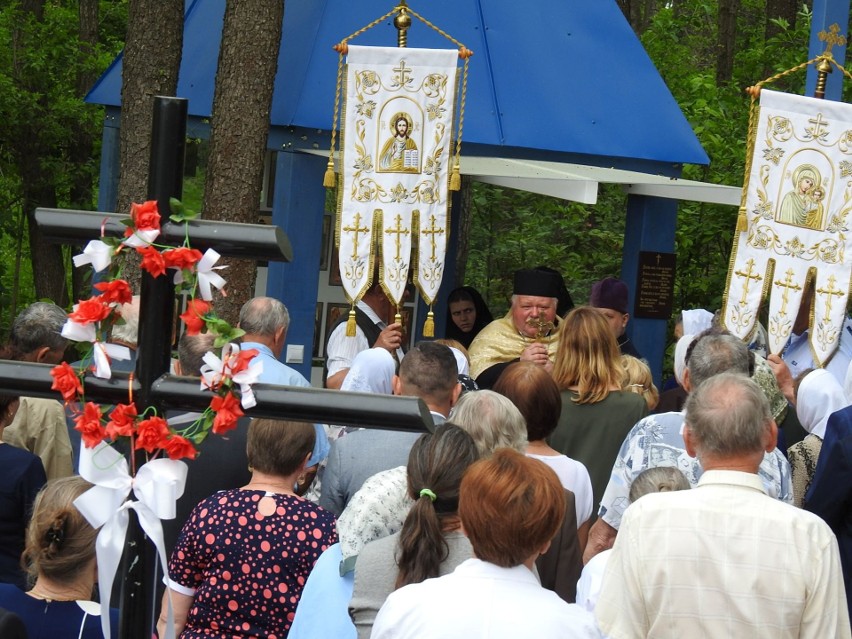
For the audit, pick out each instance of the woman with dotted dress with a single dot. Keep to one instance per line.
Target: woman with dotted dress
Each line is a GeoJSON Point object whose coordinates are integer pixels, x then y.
{"type": "Point", "coordinates": [244, 555]}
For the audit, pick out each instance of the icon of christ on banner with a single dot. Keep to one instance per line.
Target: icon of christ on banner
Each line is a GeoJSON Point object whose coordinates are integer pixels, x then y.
{"type": "Point", "coordinates": [399, 153]}
{"type": "Point", "coordinates": [393, 202]}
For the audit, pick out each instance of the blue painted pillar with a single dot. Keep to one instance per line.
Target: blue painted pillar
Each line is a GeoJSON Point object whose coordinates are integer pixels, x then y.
{"type": "Point", "coordinates": [108, 180]}
{"type": "Point", "coordinates": [650, 227]}
{"type": "Point", "coordinates": [825, 14]}
{"type": "Point", "coordinates": [298, 206]}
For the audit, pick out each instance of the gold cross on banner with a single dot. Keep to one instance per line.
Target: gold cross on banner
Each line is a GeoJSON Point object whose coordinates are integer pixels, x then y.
{"type": "Point", "coordinates": [357, 229]}
{"type": "Point", "coordinates": [829, 293]}
{"type": "Point", "coordinates": [748, 275]}
{"type": "Point", "coordinates": [818, 124]}
{"type": "Point", "coordinates": [401, 78]}
{"type": "Point", "coordinates": [432, 231]}
{"type": "Point", "coordinates": [832, 38]}
{"type": "Point", "coordinates": [399, 230]}
{"type": "Point", "coordinates": [787, 285]}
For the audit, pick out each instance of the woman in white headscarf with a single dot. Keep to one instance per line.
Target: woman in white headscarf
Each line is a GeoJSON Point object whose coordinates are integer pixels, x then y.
{"type": "Point", "coordinates": [673, 399]}
{"type": "Point", "coordinates": [819, 396]}
{"type": "Point", "coordinates": [371, 372]}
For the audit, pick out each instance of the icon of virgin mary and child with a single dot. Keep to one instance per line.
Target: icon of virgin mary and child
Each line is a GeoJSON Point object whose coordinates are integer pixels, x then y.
{"type": "Point", "coordinates": [803, 204]}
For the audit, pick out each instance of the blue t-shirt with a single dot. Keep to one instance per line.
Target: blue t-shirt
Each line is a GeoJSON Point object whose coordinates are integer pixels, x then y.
{"type": "Point", "coordinates": [56, 619]}
{"type": "Point", "coordinates": [21, 477]}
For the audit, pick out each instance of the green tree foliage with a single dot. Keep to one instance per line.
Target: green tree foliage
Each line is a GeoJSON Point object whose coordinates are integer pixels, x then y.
{"type": "Point", "coordinates": [511, 229]}
{"type": "Point", "coordinates": [514, 229]}
{"type": "Point", "coordinates": [43, 115]}
{"type": "Point", "coordinates": [680, 41]}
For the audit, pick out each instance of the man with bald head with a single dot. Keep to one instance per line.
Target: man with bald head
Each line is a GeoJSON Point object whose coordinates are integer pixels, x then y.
{"type": "Point", "coordinates": [657, 440]}
{"type": "Point", "coordinates": [265, 321]}
{"type": "Point", "coordinates": [724, 559]}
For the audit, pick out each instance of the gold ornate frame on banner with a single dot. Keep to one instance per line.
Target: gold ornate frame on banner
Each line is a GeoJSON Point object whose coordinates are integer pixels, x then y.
{"type": "Point", "coordinates": [823, 63]}
{"type": "Point", "coordinates": [372, 227]}
{"type": "Point", "coordinates": [751, 276]}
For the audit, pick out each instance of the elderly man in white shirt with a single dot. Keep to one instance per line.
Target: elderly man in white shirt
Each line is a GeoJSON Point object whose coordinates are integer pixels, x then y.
{"type": "Point", "coordinates": [724, 559]}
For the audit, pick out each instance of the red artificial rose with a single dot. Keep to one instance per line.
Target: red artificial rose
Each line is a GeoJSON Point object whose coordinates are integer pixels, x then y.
{"type": "Point", "coordinates": [240, 362]}
{"type": "Point", "coordinates": [66, 381]}
{"type": "Point", "coordinates": [182, 257]}
{"type": "Point", "coordinates": [152, 260]}
{"type": "Point", "coordinates": [90, 310]}
{"type": "Point", "coordinates": [122, 421]}
{"type": "Point", "coordinates": [194, 314]}
{"type": "Point", "coordinates": [178, 447]}
{"type": "Point", "coordinates": [151, 434]}
{"type": "Point", "coordinates": [227, 411]}
{"type": "Point", "coordinates": [117, 291]}
{"type": "Point", "coordinates": [145, 216]}
{"type": "Point", "coordinates": [89, 425]}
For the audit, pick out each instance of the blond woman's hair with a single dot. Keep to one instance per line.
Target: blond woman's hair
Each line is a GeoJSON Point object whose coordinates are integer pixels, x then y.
{"type": "Point", "coordinates": [637, 379]}
{"type": "Point", "coordinates": [587, 357]}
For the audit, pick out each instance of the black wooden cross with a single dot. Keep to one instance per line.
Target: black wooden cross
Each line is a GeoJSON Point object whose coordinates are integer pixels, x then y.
{"type": "Point", "coordinates": [152, 385]}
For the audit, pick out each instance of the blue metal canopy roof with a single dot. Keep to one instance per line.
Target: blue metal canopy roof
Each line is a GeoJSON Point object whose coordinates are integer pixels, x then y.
{"type": "Point", "coordinates": [549, 75]}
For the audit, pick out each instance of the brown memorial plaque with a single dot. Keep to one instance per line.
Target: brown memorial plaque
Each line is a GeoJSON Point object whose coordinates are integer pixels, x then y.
{"type": "Point", "coordinates": [655, 285]}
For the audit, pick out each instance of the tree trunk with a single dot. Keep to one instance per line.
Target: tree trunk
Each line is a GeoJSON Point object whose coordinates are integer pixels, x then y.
{"type": "Point", "coordinates": [638, 13]}
{"type": "Point", "coordinates": [30, 151]}
{"type": "Point", "coordinates": [785, 9]}
{"type": "Point", "coordinates": [151, 62]}
{"type": "Point", "coordinates": [82, 145]}
{"type": "Point", "coordinates": [49, 273]}
{"type": "Point", "coordinates": [248, 61]}
{"type": "Point", "coordinates": [727, 38]}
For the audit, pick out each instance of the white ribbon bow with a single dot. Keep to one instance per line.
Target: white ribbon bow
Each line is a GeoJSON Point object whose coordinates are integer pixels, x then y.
{"type": "Point", "coordinates": [141, 238]}
{"type": "Point", "coordinates": [77, 332]}
{"type": "Point", "coordinates": [157, 486]}
{"type": "Point", "coordinates": [102, 355]}
{"type": "Point", "coordinates": [96, 253]}
{"type": "Point", "coordinates": [206, 274]}
{"type": "Point", "coordinates": [215, 369]}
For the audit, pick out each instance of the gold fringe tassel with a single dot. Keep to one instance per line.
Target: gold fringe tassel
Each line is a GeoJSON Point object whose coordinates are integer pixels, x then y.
{"type": "Point", "coordinates": [328, 178]}
{"type": "Point", "coordinates": [350, 323]}
{"type": "Point", "coordinates": [429, 325]}
{"type": "Point", "coordinates": [455, 178]}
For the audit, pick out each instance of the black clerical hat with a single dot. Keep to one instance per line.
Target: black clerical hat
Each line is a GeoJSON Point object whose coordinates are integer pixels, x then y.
{"type": "Point", "coordinates": [535, 282]}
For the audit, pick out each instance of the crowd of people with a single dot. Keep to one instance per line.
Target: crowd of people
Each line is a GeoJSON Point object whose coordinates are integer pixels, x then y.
{"type": "Point", "coordinates": [557, 492]}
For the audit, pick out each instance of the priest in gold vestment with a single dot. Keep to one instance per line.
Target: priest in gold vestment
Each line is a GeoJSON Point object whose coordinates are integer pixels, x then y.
{"type": "Point", "coordinates": [528, 332]}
